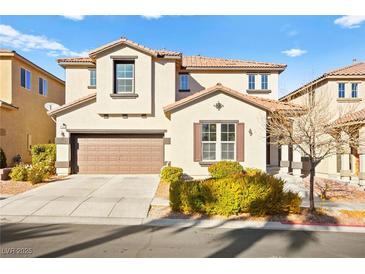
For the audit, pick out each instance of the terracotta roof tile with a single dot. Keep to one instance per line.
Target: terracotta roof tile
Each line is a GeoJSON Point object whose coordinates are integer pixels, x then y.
{"type": "Point", "coordinates": [267, 104]}
{"type": "Point", "coordinates": [76, 60]}
{"type": "Point", "coordinates": [210, 62]}
{"type": "Point", "coordinates": [354, 117]}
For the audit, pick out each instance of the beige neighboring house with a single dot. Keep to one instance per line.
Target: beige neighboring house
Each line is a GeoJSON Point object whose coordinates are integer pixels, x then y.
{"type": "Point", "coordinates": [345, 88]}
{"type": "Point", "coordinates": [24, 89]}
{"type": "Point", "coordinates": [132, 109]}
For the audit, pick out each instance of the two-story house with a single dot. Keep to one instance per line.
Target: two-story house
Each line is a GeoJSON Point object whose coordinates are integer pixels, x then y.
{"type": "Point", "coordinates": [24, 89]}
{"type": "Point", "coordinates": [343, 90]}
{"type": "Point", "coordinates": [132, 109]}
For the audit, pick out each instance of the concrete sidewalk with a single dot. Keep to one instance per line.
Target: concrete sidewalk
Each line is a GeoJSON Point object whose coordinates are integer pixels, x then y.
{"type": "Point", "coordinates": [86, 196]}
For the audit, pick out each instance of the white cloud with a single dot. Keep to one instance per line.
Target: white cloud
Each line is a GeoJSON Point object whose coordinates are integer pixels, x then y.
{"type": "Point", "coordinates": [350, 21]}
{"type": "Point", "coordinates": [10, 37]}
{"type": "Point", "coordinates": [292, 33]}
{"type": "Point", "coordinates": [294, 52]}
{"type": "Point", "coordinates": [75, 17]}
{"type": "Point", "coordinates": [152, 17]}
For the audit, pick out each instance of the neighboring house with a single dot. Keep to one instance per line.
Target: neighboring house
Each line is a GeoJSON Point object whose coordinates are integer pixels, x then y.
{"type": "Point", "coordinates": [24, 89]}
{"type": "Point", "coordinates": [132, 109]}
{"type": "Point", "coordinates": [345, 88]}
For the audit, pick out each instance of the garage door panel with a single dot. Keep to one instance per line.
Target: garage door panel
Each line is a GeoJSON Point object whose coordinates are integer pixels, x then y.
{"type": "Point", "coordinates": [115, 154]}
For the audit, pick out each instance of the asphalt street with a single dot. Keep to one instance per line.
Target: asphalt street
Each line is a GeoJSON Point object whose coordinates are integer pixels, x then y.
{"type": "Point", "coordinates": [72, 240]}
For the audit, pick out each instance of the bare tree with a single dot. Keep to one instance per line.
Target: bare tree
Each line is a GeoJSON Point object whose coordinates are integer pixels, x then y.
{"type": "Point", "coordinates": [312, 131]}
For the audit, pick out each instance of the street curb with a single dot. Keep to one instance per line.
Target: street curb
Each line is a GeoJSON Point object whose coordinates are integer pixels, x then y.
{"type": "Point", "coordinates": [198, 223]}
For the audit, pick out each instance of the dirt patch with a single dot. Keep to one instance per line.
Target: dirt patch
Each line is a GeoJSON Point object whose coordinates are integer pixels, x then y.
{"type": "Point", "coordinates": [13, 187]}
{"type": "Point", "coordinates": [162, 190]}
{"type": "Point", "coordinates": [336, 190]}
{"type": "Point", "coordinates": [321, 216]}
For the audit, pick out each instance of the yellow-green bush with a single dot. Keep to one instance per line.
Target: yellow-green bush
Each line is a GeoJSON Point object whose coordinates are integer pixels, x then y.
{"type": "Point", "coordinates": [37, 173]}
{"type": "Point", "coordinates": [223, 169]}
{"type": "Point", "coordinates": [45, 155]}
{"type": "Point", "coordinates": [19, 173]}
{"type": "Point", "coordinates": [252, 171]}
{"type": "Point", "coordinates": [260, 194]}
{"type": "Point", "coordinates": [171, 174]}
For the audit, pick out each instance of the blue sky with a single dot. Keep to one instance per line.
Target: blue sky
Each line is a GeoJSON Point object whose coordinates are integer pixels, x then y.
{"type": "Point", "coordinates": [309, 45]}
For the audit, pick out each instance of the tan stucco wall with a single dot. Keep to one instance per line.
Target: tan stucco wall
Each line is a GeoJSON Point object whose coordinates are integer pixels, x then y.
{"type": "Point", "coordinates": [5, 79]}
{"type": "Point", "coordinates": [328, 91]}
{"type": "Point", "coordinates": [143, 83]}
{"type": "Point", "coordinates": [31, 117]}
{"type": "Point", "coordinates": [77, 83]}
{"type": "Point", "coordinates": [182, 131]}
{"type": "Point", "coordinates": [234, 79]}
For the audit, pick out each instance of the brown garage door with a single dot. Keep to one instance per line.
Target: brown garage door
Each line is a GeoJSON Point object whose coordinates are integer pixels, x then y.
{"type": "Point", "coordinates": [124, 154]}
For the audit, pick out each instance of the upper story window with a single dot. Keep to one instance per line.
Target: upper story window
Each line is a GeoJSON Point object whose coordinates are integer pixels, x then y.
{"type": "Point", "coordinates": [341, 90]}
{"type": "Point", "coordinates": [92, 77]}
{"type": "Point", "coordinates": [124, 76]}
{"type": "Point", "coordinates": [264, 81]}
{"type": "Point", "coordinates": [354, 87]}
{"type": "Point", "coordinates": [251, 81]}
{"type": "Point", "coordinates": [42, 86]}
{"type": "Point", "coordinates": [25, 78]}
{"type": "Point", "coordinates": [218, 141]}
{"type": "Point", "coordinates": [184, 82]}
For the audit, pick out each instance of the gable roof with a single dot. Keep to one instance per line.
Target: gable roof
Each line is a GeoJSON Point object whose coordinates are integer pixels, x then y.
{"type": "Point", "coordinates": [353, 70]}
{"type": "Point", "coordinates": [203, 62]}
{"type": "Point", "coordinates": [130, 43]}
{"type": "Point", "coordinates": [356, 117]}
{"type": "Point", "coordinates": [266, 104]}
{"type": "Point", "coordinates": [72, 104]}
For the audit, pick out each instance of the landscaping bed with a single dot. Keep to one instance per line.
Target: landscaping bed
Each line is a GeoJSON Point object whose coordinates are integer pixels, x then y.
{"type": "Point", "coordinates": [333, 190]}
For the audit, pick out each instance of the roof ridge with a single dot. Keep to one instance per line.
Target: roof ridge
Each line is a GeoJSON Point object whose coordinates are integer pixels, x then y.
{"type": "Point", "coordinates": [229, 59]}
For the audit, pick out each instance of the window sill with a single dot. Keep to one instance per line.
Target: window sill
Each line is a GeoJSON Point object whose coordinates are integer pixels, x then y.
{"type": "Point", "coordinates": [207, 163]}
{"type": "Point", "coordinates": [348, 100]}
{"type": "Point", "coordinates": [184, 90]}
{"type": "Point", "coordinates": [123, 96]}
{"type": "Point", "coordinates": [91, 87]}
{"type": "Point", "coordinates": [258, 91]}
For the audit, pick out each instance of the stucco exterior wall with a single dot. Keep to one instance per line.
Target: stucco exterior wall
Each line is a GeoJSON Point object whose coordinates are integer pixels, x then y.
{"type": "Point", "coordinates": [143, 75]}
{"type": "Point", "coordinates": [5, 79]}
{"type": "Point", "coordinates": [77, 83]}
{"type": "Point", "coordinates": [30, 117]}
{"type": "Point", "coordinates": [182, 131]}
{"type": "Point", "coordinates": [233, 79]}
{"type": "Point", "coordinates": [328, 93]}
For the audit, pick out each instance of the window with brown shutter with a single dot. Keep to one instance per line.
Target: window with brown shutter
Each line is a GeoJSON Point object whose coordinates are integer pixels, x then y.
{"type": "Point", "coordinates": [197, 142]}
{"type": "Point", "coordinates": [240, 153]}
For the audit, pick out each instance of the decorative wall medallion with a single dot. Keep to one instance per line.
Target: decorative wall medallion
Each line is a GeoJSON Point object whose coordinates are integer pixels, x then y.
{"type": "Point", "coordinates": [218, 105]}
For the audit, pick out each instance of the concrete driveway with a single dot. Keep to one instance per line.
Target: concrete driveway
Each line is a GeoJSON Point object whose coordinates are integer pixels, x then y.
{"type": "Point", "coordinates": [106, 196]}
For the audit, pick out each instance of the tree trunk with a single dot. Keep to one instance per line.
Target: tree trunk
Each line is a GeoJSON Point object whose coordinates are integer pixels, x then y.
{"type": "Point", "coordinates": [311, 187]}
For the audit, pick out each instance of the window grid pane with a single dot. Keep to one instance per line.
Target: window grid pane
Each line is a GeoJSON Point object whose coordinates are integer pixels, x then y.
{"type": "Point", "coordinates": [124, 77]}
{"type": "Point", "coordinates": [93, 77]}
{"type": "Point", "coordinates": [264, 81]}
{"type": "Point", "coordinates": [251, 81]}
{"type": "Point", "coordinates": [184, 82]}
{"type": "Point", "coordinates": [354, 90]}
{"type": "Point", "coordinates": [228, 137]}
{"type": "Point", "coordinates": [27, 79]}
{"type": "Point", "coordinates": [341, 90]}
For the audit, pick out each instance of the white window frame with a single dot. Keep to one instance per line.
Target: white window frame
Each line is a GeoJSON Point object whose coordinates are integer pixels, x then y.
{"type": "Point", "coordinates": [344, 90]}
{"type": "Point", "coordinates": [354, 90]}
{"type": "Point", "coordinates": [44, 90]}
{"type": "Point", "coordinates": [25, 78]}
{"type": "Point", "coordinates": [184, 79]}
{"type": "Point", "coordinates": [124, 78]}
{"type": "Point", "coordinates": [250, 82]}
{"type": "Point", "coordinates": [218, 142]}
{"type": "Point", "coordinates": [91, 70]}
{"type": "Point", "coordinates": [265, 82]}
{"type": "Point", "coordinates": [228, 142]}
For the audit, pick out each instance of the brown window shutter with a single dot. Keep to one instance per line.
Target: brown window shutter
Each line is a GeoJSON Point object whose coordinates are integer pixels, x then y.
{"type": "Point", "coordinates": [240, 144]}
{"type": "Point", "coordinates": [197, 142]}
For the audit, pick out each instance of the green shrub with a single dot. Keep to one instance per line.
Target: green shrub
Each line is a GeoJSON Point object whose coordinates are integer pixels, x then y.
{"type": "Point", "coordinates": [260, 194]}
{"type": "Point", "coordinates": [19, 173]}
{"type": "Point", "coordinates": [171, 174]}
{"type": "Point", "coordinates": [224, 168]}
{"type": "Point", "coordinates": [37, 173]}
{"type": "Point", "coordinates": [45, 154]}
{"type": "Point", "coordinates": [2, 158]}
{"type": "Point", "coordinates": [252, 171]}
